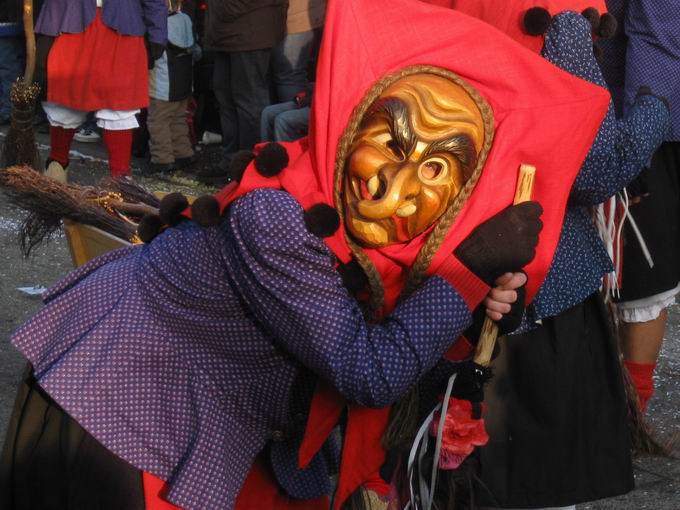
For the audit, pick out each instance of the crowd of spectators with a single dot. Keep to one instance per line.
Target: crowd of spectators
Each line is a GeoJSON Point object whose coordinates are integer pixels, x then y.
{"type": "Point", "coordinates": [238, 73]}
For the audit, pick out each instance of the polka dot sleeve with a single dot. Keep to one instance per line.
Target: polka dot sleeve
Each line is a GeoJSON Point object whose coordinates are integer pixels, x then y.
{"type": "Point", "coordinates": [287, 278]}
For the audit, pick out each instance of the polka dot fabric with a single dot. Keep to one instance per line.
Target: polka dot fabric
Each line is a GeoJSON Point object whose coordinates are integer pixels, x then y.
{"type": "Point", "coordinates": [653, 54]}
{"type": "Point", "coordinates": [619, 152]}
{"type": "Point", "coordinates": [186, 357]}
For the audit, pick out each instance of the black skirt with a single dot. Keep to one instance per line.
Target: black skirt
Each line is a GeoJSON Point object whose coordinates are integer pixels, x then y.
{"type": "Point", "coordinates": [658, 218]}
{"type": "Point", "coordinates": [556, 416]}
{"type": "Point", "coordinates": [50, 463]}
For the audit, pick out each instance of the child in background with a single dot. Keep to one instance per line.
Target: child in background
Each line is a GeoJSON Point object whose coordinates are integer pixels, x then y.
{"type": "Point", "coordinates": [170, 86]}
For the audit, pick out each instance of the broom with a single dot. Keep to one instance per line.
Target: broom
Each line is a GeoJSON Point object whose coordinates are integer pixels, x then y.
{"type": "Point", "coordinates": [19, 147]}
{"type": "Point", "coordinates": [48, 202]}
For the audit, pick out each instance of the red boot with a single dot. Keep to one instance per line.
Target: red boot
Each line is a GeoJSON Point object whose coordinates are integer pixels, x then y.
{"type": "Point", "coordinates": [119, 145]}
{"type": "Point", "coordinates": [60, 144]}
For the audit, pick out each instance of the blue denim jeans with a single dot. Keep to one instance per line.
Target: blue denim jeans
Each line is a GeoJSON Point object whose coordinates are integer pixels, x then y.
{"type": "Point", "coordinates": [284, 122]}
{"type": "Point", "coordinates": [290, 60]}
{"type": "Point", "coordinates": [11, 67]}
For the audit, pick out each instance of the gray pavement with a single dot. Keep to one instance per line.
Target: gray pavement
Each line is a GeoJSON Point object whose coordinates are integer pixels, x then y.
{"type": "Point", "coordinates": [657, 479]}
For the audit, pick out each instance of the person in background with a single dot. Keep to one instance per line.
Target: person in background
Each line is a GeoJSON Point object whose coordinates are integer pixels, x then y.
{"type": "Point", "coordinates": [11, 53]}
{"type": "Point", "coordinates": [242, 35]}
{"type": "Point", "coordinates": [285, 122]}
{"type": "Point", "coordinates": [291, 58]}
{"type": "Point", "coordinates": [649, 57]}
{"type": "Point", "coordinates": [170, 87]}
{"type": "Point", "coordinates": [98, 62]}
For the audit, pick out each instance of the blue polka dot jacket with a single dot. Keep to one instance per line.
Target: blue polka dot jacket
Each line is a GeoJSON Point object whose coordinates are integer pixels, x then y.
{"type": "Point", "coordinates": [619, 152]}
{"type": "Point", "coordinates": [192, 355]}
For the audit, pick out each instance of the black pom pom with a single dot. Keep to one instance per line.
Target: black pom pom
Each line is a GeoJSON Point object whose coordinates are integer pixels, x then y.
{"type": "Point", "coordinates": [353, 276]}
{"type": "Point", "coordinates": [239, 163]}
{"type": "Point", "coordinates": [599, 54]}
{"type": "Point", "coordinates": [149, 227]}
{"type": "Point", "coordinates": [322, 220]}
{"type": "Point", "coordinates": [271, 160]}
{"type": "Point", "coordinates": [608, 26]}
{"type": "Point", "coordinates": [206, 211]}
{"type": "Point", "coordinates": [593, 17]}
{"type": "Point", "coordinates": [171, 208]}
{"type": "Point", "coordinates": [536, 21]}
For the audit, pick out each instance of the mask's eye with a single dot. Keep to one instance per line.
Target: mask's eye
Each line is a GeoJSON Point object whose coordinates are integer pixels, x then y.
{"type": "Point", "coordinates": [432, 169]}
{"type": "Point", "coordinates": [394, 148]}
{"type": "Point", "coordinates": [386, 140]}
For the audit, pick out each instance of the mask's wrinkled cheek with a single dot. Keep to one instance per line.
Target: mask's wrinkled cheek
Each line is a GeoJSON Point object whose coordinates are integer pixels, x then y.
{"type": "Point", "coordinates": [365, 161]}
{"type": "Point", "coordinates": [432, 202]}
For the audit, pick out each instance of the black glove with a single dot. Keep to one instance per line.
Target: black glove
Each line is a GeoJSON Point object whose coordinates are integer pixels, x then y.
{"type": "Point", "coordinates": [154, 51]}
{"type": "Point", "coordinates": [644, 90]}
{"type": "Point", "coordinates": [504, 243]}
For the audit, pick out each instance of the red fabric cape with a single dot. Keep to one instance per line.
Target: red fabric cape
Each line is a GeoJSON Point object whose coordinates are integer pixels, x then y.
{"type": "Point", "coordinates": [543, 116]}
{"type": "Point", "coordinates": [507, 16]}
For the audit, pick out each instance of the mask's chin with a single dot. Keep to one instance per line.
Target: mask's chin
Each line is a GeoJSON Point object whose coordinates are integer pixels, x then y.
{"type": "Point", "coordinates": [368, 233]}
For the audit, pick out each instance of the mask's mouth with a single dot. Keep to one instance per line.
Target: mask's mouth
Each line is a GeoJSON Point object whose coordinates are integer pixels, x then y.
{"type": "Point", "coordinates": [375, 189]}
{"type": "Point", "coordinates": [380, 199]}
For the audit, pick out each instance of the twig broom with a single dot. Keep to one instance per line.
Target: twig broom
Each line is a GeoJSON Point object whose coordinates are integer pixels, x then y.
{"type": "Point", "coordinates": [19, 147]}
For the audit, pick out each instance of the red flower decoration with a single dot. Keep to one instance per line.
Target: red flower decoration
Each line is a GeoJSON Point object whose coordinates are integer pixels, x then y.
{"type": "Point", "coordinates": [461, 433]}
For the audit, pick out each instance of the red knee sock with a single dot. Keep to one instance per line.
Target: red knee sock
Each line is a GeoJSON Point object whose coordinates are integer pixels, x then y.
{"type": "Point", "coordinates": [60, 144]}
{"type": "Point", "coordinates": [119, 145]}
{"type": "Point", "coordinates": [641, 375]}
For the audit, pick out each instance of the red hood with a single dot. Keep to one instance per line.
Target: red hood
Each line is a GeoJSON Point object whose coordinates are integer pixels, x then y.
{"type": "Point", "coordinates": [507, 15]}
{"type": "Point", "coordinates": [543, 116]}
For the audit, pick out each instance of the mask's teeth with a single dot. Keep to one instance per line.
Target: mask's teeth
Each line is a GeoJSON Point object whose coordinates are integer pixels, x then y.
{"type": "Point", "coordinates": [356, 187]}
{"type": "Point", "coordinates": [406, 210]}
{"type": "Point", "coordinates": [373, 185]}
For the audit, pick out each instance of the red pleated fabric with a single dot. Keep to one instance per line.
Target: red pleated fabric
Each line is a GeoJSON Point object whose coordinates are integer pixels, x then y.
{"type": "Point", "coordinates": [98, 69]}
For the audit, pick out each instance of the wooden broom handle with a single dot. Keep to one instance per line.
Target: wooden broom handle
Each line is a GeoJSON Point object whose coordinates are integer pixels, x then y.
{"type": "Point", "coordinates": [29, 31]}
{"type": "Point", "coordinates": [489, 333]}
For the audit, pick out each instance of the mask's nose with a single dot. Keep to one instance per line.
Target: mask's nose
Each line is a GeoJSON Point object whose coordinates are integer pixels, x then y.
{"type": "Point", "coordinates": [402, 187]}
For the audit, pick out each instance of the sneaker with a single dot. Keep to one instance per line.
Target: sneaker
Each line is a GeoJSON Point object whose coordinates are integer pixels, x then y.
{"type": "Point", "coordinates": [86, 135]}
{"type": "Point", "coordinates": [210, 138]}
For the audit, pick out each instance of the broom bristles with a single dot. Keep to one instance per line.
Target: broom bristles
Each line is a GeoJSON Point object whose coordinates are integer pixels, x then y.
{"type": "Point", "coordinates": [130, 191]}
{"type": "Point", "coordinates": [48, 202]}
{"type": "Point", "coordinates": [19, 147]}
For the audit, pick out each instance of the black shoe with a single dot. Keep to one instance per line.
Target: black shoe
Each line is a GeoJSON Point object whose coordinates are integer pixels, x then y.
{"type": "Point", "coordinates": [157, 168]}
{"type": "Point", "coordinates": [185, 163]}
{"type": "Point", "coordinates": [215, 176]}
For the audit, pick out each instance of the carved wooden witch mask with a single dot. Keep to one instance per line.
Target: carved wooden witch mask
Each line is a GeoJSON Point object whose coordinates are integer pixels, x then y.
{"type": "Point", "coordinates": [416, 147]}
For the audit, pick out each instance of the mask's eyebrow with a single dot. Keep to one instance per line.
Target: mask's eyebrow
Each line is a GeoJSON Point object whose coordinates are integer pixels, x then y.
{"type": "Point", "coordinates": [400, 125]}
{"type": "Point", "coordinates": [461, 146]}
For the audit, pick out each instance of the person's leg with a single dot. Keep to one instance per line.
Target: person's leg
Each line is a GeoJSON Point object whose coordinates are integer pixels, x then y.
{"type": "Point", "coordinates": [179, 129]}
{"type": "Point", "coordinates": [11, 60]}
{"type": "Point", "coordinates": [158, 123]}
{"type": "Point", "coordinates": [250, 89]}
{"type": "Point", "coordinates": [290, 60]}
{"type": "Point", "coordinates": [223, 92]}
{"type": "Point", "coordinates": [63, 124]}
{"type": "Point", "coordinates": [641, 341]}
{"type": "Point", "coordinates": [118, 126]}
{"type": "Point", "coordinates": [269, 115]}
{"type": "Point", "coordinates": [291, 125]}
{"type": "Point", "coordinates": [642, 327]}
